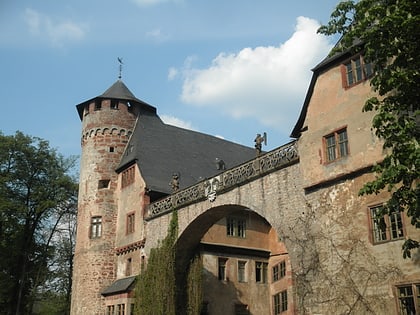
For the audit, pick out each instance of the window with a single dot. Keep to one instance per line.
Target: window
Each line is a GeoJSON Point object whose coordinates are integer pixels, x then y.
{"type": "Point", "coordinates": [96, 227]}
{"type": "Point", "coordinates": [235, 227]}
{"type": "Point", "coordinates": [127, 177]}
{"type": "Point", "coordinates": [279, 271]}
{"type": "Point", "coordinates": [98, 105]}
{"type": "Point", "coordinates": [261, 272]}
{"type": "Point", "coordinates": [128, 265]}
{"type": "Point", "coordinates": [385, 227]}
{"type": "Point", "coordinates": [336, 145]}
{"type": "Point", "coordinates": [111, 149]}
{"type": "Point", "coordinates": [241, 271]}
{"type": "Point", "coordinates": [355, 71]}
{"type": "Point", "coordinates": [103, 183]}
{"type": "Point", "coordinates": [131, 309]}
{"type": "Point", "coordinates": [121, 309]}
{"type": "Point", "coordinates": [131, 223]}
{"type": "Point", "coordinates": [409, 299]}
{"type": "Point", "coordinates": [110, 309]}
{"type": "Point", "coordinates": [280, 302]}
{"type": "Point", "coordinates": [114, 104]}
{"type": "Point", "coordinates": [222, 269]}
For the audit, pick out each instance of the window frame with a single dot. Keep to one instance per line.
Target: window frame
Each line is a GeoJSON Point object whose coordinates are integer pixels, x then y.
{"type": "Point", "coordinates": [261, 271]}
{"type": "Point", "coordinates": [222, 268]}
{"type": "Point", "coordinates": [242, 274]}
{"type": "Point", "coordinates": [382, 228]}
{"type": "Point", "coordinates": [95, 227]}
{"type": "Point", "coordinates": [355, 71]}
{"type": "Point", "coordinates": [415, 297]}
{"type": "Point", "coordinates": [280, 302]}
{"type": "Point", "coordinates": [236, 227]}
{"type": "Point", "coordinates": [128, 176]}
{"type": "Point", "coordinates": [340, 148]}
{"type": "Point", "coordinates": [130, 223]}
{"type": "Point", "coordinates": [278, 271]}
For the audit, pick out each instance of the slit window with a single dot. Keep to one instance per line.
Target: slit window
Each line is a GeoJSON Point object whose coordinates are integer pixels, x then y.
{"type": "Point", "coordinates": [96, 227]}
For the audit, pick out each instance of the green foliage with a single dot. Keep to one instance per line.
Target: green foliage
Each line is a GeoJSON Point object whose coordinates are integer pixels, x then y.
{"type": "Point", "coordinates": [194, 285]}
{"type": "Point", "coordinates": [35, 192]}
{"type": "Point", "coordinates": [387, 33]}
{"type": "Point", "coordinates": [156, 286]}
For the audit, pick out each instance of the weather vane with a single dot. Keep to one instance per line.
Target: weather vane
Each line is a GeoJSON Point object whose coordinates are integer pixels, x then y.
{"type": "Point", "coordinates": [121, 63]}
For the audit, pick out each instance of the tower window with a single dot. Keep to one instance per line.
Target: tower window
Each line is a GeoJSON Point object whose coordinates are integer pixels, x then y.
{"type": "Point", "coordinates": [131, 222]}
{"type": "Point", "coordinates": [103, 183]}
{"type": "Point", "coordinates": [114, 104]}
{"type": "Point", "coordinates": [111, 149]}
{"type": "Point", "coordinates": [128, 267]}
{"type": "Point", "coordinates": [98, 105]}
{"type": "Point", "coordinates": [96, 227]}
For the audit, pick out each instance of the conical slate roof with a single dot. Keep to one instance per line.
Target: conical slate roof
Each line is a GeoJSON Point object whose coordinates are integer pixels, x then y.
{"type": "Point", "coordinates": [118, 91]}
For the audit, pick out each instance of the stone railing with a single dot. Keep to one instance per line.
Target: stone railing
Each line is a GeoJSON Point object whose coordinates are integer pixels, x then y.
{"type": "Point", "coordinates": [229, 179]}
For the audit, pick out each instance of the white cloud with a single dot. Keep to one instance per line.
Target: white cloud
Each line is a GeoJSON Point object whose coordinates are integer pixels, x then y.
{"type": "Point", "coordinates": [174, 121]}
{"type": "Point", "coordinates": [264, 82]}
{"type": "Point", "coordinates": [172, 73]}
{"type": "Point", "coordinates": [58, 32]}
{"type": "Point", "coordinates": [156, 35]}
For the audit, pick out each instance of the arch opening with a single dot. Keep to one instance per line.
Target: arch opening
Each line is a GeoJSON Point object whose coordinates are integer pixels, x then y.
{"type": "Point", "coordinates": [245, 266]}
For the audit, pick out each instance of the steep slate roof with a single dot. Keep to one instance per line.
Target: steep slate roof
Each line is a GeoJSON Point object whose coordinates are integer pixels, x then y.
{"type": "Point", "coordinates": [160, 150]}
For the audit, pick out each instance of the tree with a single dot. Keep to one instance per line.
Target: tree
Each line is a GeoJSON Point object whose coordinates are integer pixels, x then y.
{"type": "Point", "coordinates": [35, 191]}
{"type": "Point", "coordinates": [386, 33]}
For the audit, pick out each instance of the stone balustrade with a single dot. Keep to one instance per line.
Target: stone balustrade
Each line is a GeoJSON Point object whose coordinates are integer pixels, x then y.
{"type": "Point", "coordinates": [229, 179]}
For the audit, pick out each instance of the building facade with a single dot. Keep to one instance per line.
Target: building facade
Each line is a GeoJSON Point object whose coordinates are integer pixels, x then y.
{"type": "Point", "coordinates": [323, 249]}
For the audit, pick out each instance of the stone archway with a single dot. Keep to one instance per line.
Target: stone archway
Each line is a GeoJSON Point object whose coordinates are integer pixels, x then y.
{"type": "Point", "coordinates": [251, 258]}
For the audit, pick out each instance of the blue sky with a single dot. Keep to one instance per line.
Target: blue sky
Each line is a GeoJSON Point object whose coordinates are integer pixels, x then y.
{"type": "Point", "coordinates": [229, 68]}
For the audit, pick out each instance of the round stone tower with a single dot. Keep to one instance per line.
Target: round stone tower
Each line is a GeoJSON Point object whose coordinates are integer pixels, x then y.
{"type": "Point", "coordinates": [107, 123]}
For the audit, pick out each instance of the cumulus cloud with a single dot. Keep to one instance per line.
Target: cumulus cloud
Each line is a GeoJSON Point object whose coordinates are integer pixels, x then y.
{"type": "Point", "coordinates": [57, 32]}
{"type": "Point", "coordinates": [265, 82]}
{"type": "Point", "coordinates": [174, 121]}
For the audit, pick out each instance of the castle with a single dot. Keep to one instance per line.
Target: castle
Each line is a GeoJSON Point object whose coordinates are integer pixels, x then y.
{"type": "Point", "coordinates": [282, 232]}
